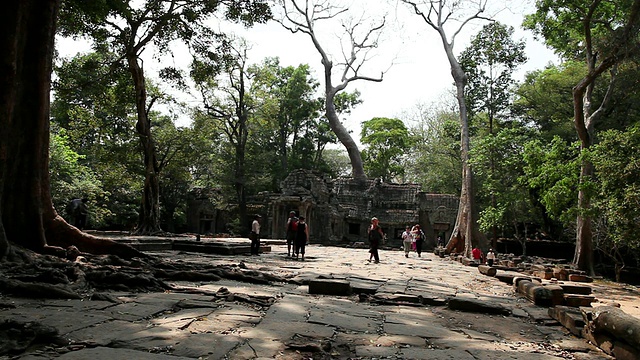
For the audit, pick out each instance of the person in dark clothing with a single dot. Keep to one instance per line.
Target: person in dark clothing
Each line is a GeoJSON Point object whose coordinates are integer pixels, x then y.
{"type": "Point", "coordinates": [375, 238]}
{"type": "Point", "coordinates": [78, 212]}
{"type": "Point", "coordinates": [418, 235]}
{"type": "Point", "coordinates": [302, 235]}
{"type": "Point", "coordinates": [255, 235]}
{"type": "Point", "coordinates": [292, 225]}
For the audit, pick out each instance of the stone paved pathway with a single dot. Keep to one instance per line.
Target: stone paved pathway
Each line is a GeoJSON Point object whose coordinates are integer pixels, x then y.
{"type": "Point", "coordinates": [303, 326]}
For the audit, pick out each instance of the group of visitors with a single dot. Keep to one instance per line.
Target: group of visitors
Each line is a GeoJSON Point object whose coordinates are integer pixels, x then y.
{"type": "Point", "coordinates": [412, 240]}
{"type": "Point", "coordinates": [297, 235]}
{"type": "Point", "coordinates": [481, 258]}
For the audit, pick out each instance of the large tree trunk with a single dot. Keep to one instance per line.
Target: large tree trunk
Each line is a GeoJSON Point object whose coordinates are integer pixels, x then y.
{"type": "Point", "coordinates": [466, 222]}
{"type": "Point", "coordinates": [357, 167]}
{"type": "Point", "coordinates": [27, 215]}
{"type": "Point", "coordinates": [149, 221]}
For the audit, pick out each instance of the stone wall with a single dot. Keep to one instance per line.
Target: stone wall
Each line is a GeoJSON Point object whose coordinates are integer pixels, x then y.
{"type": "Point", "coordinates": [340, 211]}
{"type": "Point", "coordinates": [337, 211]}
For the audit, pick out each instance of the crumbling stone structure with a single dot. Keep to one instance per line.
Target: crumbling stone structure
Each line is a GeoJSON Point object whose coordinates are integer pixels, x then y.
{"type": "Point", "coordinates": [340, 211]}
{"type": "Point", "coordinates": [337, 211]}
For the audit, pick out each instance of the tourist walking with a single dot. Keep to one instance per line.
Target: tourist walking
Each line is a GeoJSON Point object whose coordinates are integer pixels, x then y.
{"type": "Point", "coordinates": [375, 238]}
{"type": "Point", "coordinates": [407, 239]}
{"type": "Point", "coordinates": [491, 257]}
{"type": "Point", "coordinates": [292, 226]}
{"type": "Point", "coordinates": [78, 210]}
{"type": "Point", "coordinates": [418, 237]}
{"type": "Point", "coordinates": [255, 235]}
{"type": "Point", "coordinates": [302, 236]}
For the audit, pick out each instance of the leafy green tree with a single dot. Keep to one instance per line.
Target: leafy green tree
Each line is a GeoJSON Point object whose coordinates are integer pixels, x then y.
{"type": "Point", "coordinates": [127, 28]}
{"type": "Point", "coordinates": [497, 159]}
{"type": "Point", "coordinates": [604, 34]}
{"type": "Point", "coordinates": [289, 103]}
{"type": "Point", "coordinates": [617, 163]}
{"type": "Point", "coordinates": [544, 100]}
{"type": "Point", "coordinates": [433, 159]}
{"type": "Point", "coordinates": [70, 179]}
{"type": "Point", "coordinates": [229, 107]}
{"type": "Point", "coordinates": [489, 62]}
{"type": "Point", "coordinates": [387, 141]}
{"type": "Point", "coordinates": [92, 106]}
{"type": "Point", "coordinates": [551, 172]}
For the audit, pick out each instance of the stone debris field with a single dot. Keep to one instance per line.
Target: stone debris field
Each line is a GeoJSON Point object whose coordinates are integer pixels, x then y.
{"type": "Point", "coordinates": [334, 305]}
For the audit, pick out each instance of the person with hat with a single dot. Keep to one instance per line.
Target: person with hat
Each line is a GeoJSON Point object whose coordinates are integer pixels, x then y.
{"type": "Point", "coordinates": [375, 238]}
{"type": "Point", "coordinates": [255, 235]}
{"type": "Point", "coordinates": [302, 236]}
{"type": "Point", "coordinates": [292, 227]}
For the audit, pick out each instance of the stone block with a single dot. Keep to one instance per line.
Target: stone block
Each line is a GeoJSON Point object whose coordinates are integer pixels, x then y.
{"type": "Point", "coordinates": [487, 270]}
{"type": "Point", "coordinates": [576, 289]}
{"type": "Point", "coordinates": [330, 287]}
{"type": "Point", "coordinates": [476, 305]}
{"type": "Point", "coordinates": [580, 278]}
{"type": "Point", "coordinates": [576, 300]}
{"type": "Point", "coordinates": [541, 295]}
{"type": "Point", "coordinates": [543, 274]}
{"type": "Point", "coordinates": [505, 278]}
{"type": "Point", "coordinates": [624, 351]}
{"type": "Point", "coordinates": [569, 317]}
{"type": "Point", "coordinates": [560, 274]}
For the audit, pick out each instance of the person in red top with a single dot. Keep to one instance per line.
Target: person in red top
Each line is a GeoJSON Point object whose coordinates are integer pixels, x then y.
{"type": "Point", "coordinates": [477, 254]}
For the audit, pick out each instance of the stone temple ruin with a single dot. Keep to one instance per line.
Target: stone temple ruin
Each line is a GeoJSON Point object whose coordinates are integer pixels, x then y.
{"type": "Point", "coordinates": [338, 211]}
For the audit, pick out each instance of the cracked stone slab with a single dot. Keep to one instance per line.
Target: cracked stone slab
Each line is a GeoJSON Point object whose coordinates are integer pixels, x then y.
{"type": "Point", "coordinates": [105, 333]}
{"type": "Point", "coordinates": [435, 354]}
{"type": "Point", "coordinates": [64, 320]}
{"type": "Point", "coordinates": [344, 321]}
{"type": "Point", "coordinates": [286, 330]}
{"type": "Point", "coordinates": [103, 353]}
{"type": "Point", "coordinates": [258, 348]}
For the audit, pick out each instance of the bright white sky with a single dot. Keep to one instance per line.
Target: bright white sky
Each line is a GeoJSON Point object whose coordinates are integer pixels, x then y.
{"type": "Point", "coordinates": [420, 72]}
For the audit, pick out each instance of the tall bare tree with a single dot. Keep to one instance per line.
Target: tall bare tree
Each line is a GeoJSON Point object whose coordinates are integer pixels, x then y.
{"type": "Point", "coordinates": [438, 15]}
{"type": "Point", "coordinates": [303, 16]}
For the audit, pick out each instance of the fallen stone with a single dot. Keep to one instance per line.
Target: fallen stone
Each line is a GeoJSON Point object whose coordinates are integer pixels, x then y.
{"type": "Point", "coordinates": [505, 278]}
{"type": "Point", "coordinates": [580, 278]}
{"type": "Point", "coordinates": [570, 318]}
{"type": "Point", "coordinates": [615, 323]}
{"type": "Point", "coordinates": [623, 351]}
{"type": "Point", "coordinates": [576, 289]}
{"type": "Point", "coordinates": [477, 306]}
{"type": "Point", "coordinates": [487, 270]}
{"type": "Point", "coordinates": [541, 295]}
{"type": "Point", "coordinates": [560, 274]}
{"type": "Point", "coordinates": [546, 275]}
{"type": "Point", "coordinates": [601, 340]}
{"type": "Point", "coordinates": [330, 287]}
{"type": "Point", "coordinates": [576, 300]}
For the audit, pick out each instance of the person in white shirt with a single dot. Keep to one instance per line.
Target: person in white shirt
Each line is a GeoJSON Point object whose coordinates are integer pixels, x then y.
{"type": "Point", "coordinates": [255, 235]}
{"type": "Point", "coordinates": [407, 238]}
{"type": "Point", "coordinates": [491, 257]}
